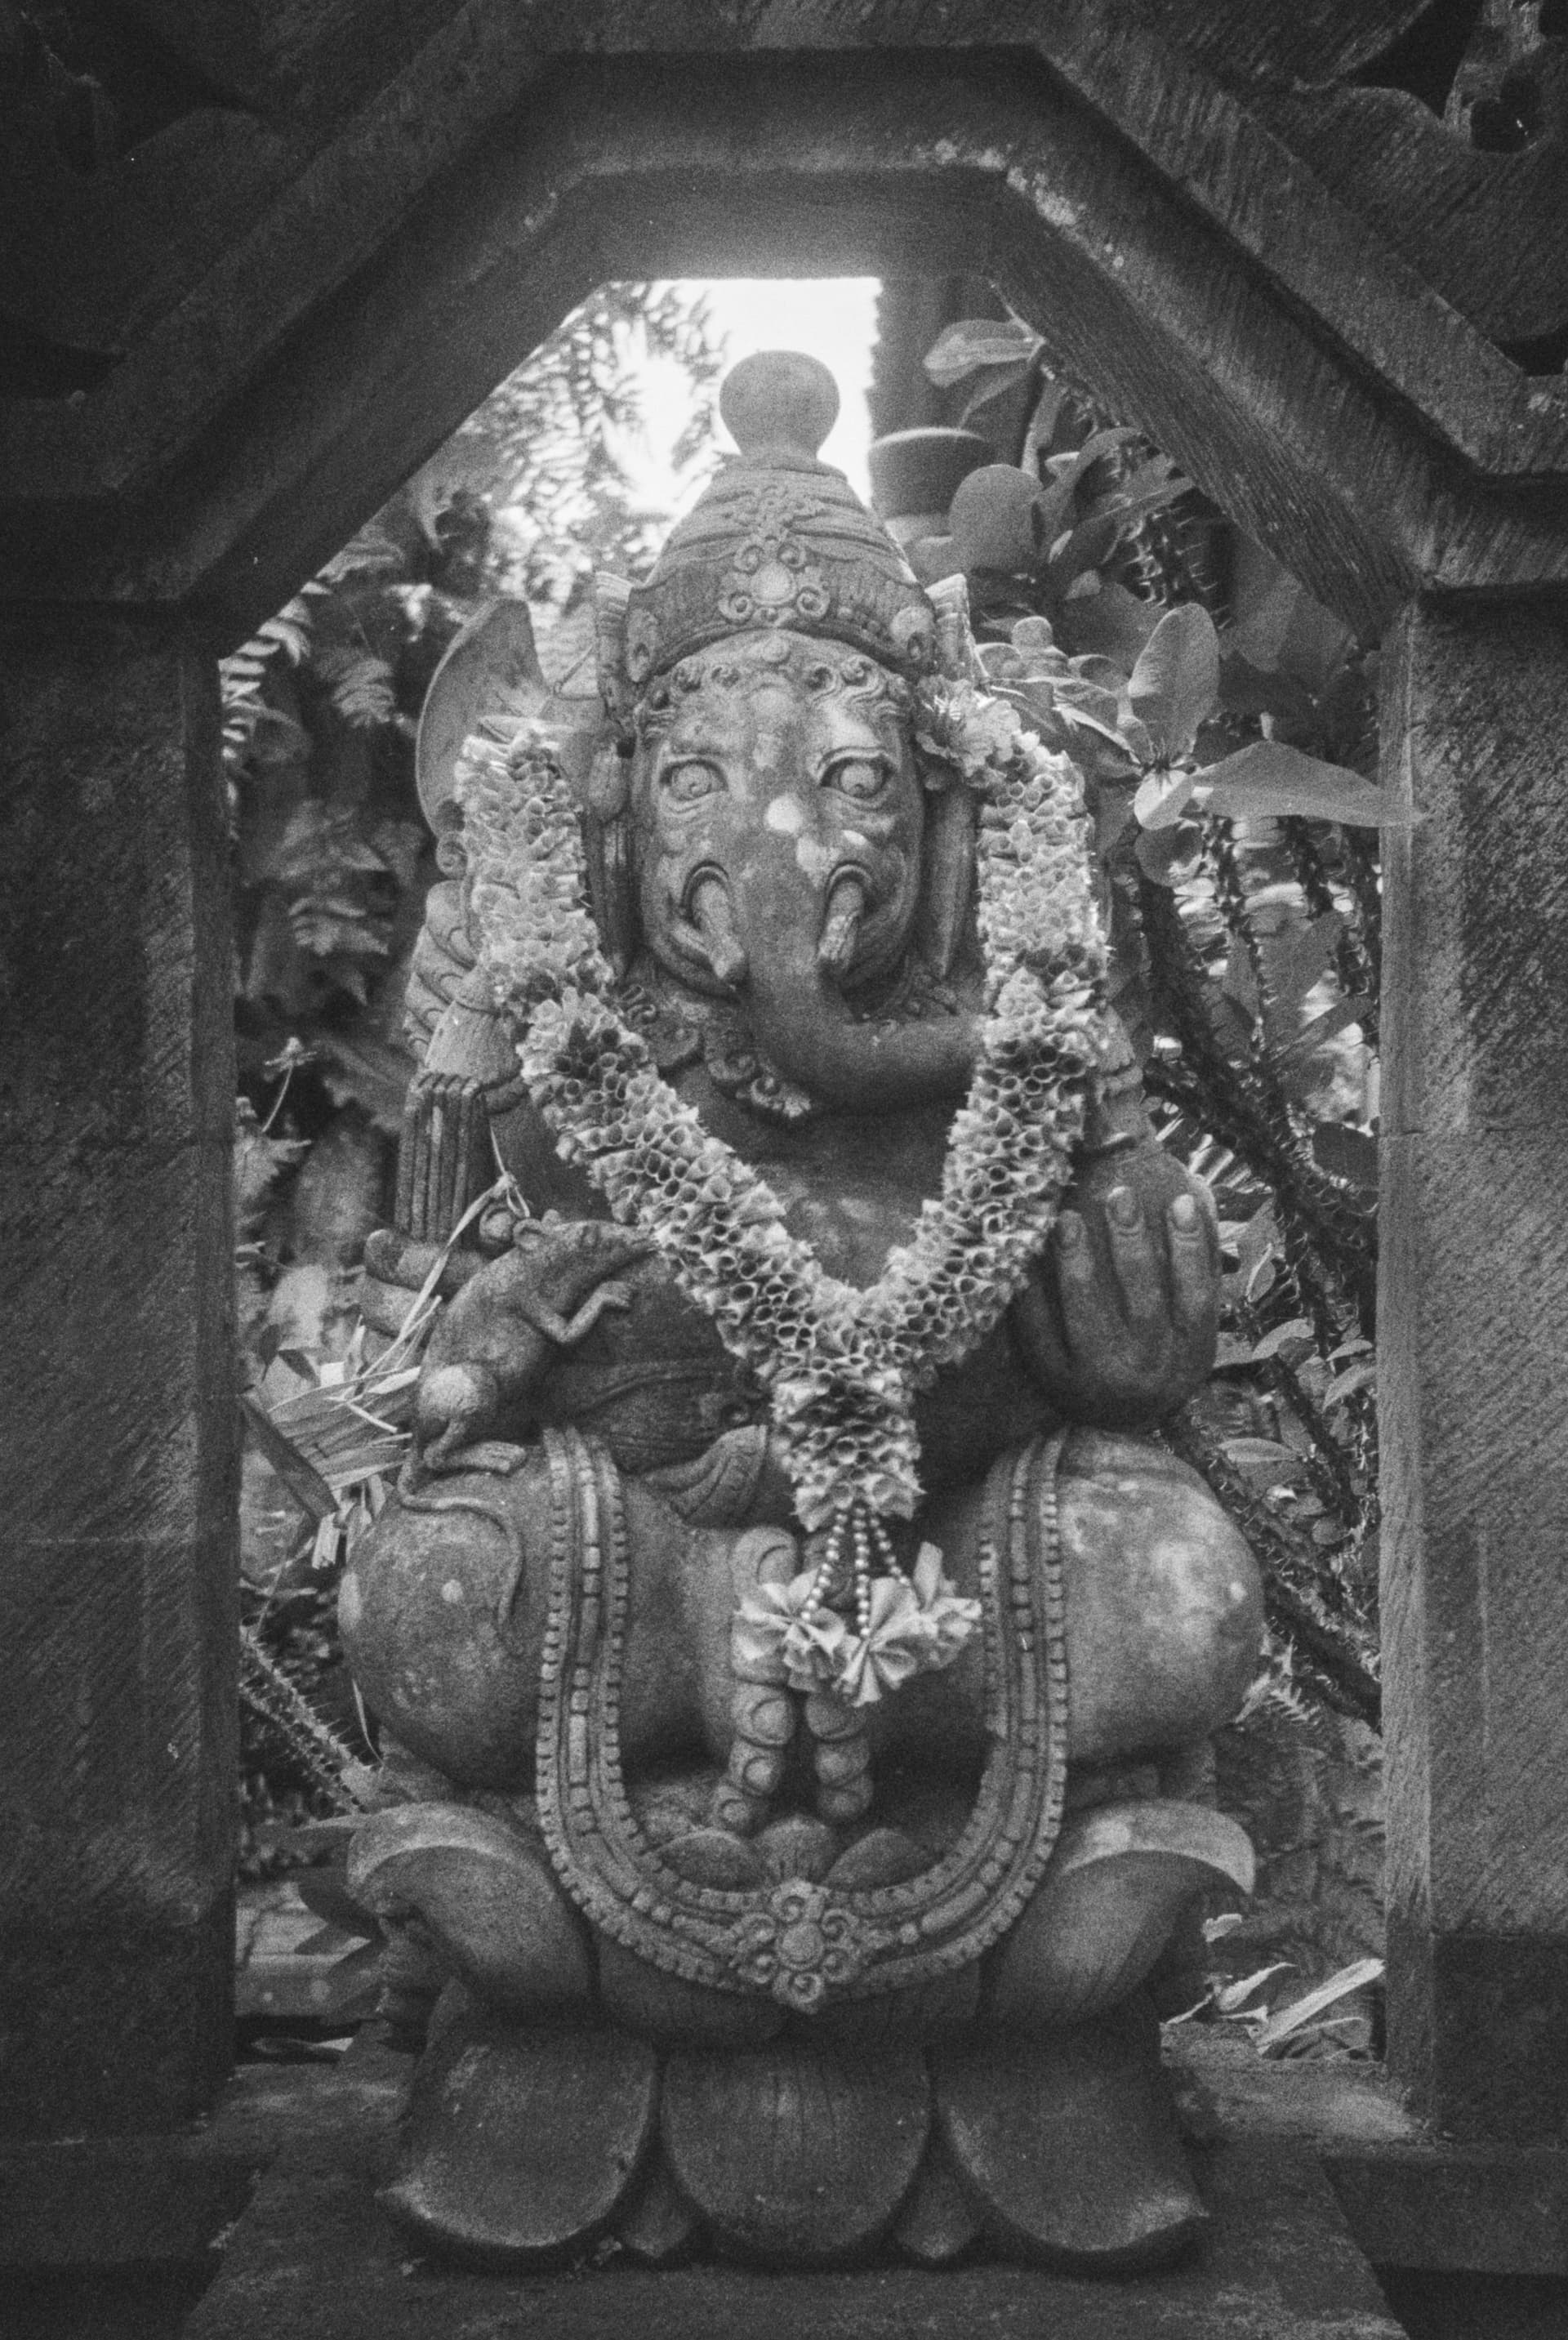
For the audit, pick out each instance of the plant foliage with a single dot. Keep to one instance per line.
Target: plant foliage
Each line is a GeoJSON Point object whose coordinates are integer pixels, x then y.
{"type": "Point", "coordinates": [331, 864]}
{"type": "Point", "coordinates": [1227, 766]}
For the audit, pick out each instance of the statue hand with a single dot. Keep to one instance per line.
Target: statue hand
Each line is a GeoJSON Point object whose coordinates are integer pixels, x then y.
{"type": "Point", "coordinates": [1119, 1320]}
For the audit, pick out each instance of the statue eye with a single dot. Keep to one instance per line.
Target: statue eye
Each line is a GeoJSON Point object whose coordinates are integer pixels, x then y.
{"type": "Point", "coordinates": [690, 783]}
{"type": "Point", "coordinates": [861, 777]}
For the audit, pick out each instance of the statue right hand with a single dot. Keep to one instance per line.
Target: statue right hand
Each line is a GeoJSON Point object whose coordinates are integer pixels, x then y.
{"type": "Point", "coordinates": [1119, 1322]}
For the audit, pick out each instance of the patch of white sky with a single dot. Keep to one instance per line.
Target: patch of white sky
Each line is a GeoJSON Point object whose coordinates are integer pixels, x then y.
{"type": "Point", "coordinates": [833, 318]}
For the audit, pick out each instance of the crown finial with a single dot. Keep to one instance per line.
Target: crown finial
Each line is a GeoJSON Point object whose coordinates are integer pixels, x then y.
{"type": "Point", "coordinates": [778, 402]}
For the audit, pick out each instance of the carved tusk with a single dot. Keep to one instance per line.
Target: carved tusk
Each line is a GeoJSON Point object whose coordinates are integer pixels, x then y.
{"type": "Point", "coordinates": [841, 926]}
{"type": "Point", "coordinates": [713, 915]}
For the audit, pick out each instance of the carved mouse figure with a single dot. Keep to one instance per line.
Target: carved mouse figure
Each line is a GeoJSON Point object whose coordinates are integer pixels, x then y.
{"type": "Point", "coordinates": [493, 1344]}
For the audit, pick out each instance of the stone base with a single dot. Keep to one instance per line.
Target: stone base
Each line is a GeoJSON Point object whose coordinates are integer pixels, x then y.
{"type": "Point", "coordinates": [527, 2147]}
{"type": "Point", "coordinates": [315, 2257]}
{"type": "Point", "coordinates": [1465, 2240]}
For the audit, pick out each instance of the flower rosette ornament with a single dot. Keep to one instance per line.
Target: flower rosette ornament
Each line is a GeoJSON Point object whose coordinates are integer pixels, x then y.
{"type": "Point", "coordinates": [914, 1625]}
{"type": "Point", "coordinates": [782, 1634]}
{"type": "Point", "coordinates": [787, 1634]}
{"type": "Point", "coordinates": [801, 1943]}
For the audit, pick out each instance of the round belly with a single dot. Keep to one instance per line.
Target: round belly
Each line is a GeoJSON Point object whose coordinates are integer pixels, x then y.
{"type": "Point", "coordinates": [1164, 1609]}
{"type": "Point", "coordinates": [1164, 1599]}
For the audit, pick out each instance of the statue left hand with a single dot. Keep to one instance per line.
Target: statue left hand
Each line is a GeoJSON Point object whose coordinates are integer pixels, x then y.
{"type": "Point", "coordinates": [1119, 1320]}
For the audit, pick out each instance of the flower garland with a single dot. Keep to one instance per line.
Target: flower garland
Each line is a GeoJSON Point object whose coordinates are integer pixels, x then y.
{"type": "Point", "coordinates": [840, 1366]}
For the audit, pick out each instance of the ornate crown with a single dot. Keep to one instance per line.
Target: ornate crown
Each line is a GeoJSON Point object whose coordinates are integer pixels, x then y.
{"type": "Point", "coordinates": [777, 539]}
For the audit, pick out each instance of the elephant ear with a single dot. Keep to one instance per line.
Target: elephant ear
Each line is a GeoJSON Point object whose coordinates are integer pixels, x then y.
{"type": "Point", "coordinates": [490, 680]}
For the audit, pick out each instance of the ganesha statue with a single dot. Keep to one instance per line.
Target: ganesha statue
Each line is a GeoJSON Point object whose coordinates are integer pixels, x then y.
{"type": "Point", "coordinates": [794, 1652]}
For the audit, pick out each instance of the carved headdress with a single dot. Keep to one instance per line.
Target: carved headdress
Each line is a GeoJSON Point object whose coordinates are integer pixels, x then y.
{"type": "Point", "coordinates": [779, 539]}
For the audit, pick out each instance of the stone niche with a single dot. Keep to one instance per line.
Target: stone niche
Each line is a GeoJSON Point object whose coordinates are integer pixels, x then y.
{"type": "Point", "coordinates": [1228, 222]}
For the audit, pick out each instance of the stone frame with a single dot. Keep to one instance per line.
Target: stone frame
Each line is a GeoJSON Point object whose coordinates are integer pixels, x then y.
{"type": "Point", "coordinates": [1182, 255]}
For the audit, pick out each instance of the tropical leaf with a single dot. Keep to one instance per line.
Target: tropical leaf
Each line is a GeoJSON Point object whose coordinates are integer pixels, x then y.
{"type": "Point", "coordinates": [1174, 685]}
{"type": "Point", "coordinates": [1347, 1384]}
{"type": "Point", "coordinates": [260, 1160]}
{"type": "Point", "coordinates": [1295, 1329]}
{"type": "Point", "coordinates": [1293, 2019]}
{"type": "Point", "coordinates": [1232, 1998]}
{"type": "Point", "coordinates": [1067, 470]}
{"type": "Point", "coordinates": [1115, 624]}
{"type": "Point", "coordinates": [1168, 856]}
{"type": "Point", "coordinates": [1033, 637]}
{"type": "Point", "coordinates": [1324, 1028]}
{"type": "Point", "coordinates": [1163, 797]}
{"type": "Point", "coordinates": [992, 385]}
{"type": "Point", "coordinates": [1264, 1460]}
{"type": "Point", "coordinates": [265, 1687]}
{"type": "Point", "coordinates": [1268, 780]}
{"type": "Point", "coordinates": [1089, 703]}
{"type": "Point", "coordinates": [973, 342]}
{"type": "Point", "coordinates": [996, 519]}
{"type": "Point", "coordinates": [1080, 552]}
{"type": "Point", "coordinates": [1299, 953]}
{"type": "Point", "coordinates": [1157, 475]}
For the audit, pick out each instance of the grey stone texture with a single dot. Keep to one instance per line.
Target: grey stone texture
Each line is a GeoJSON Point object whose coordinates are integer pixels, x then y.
{"type": "Point", "coordinates": [315, 2257]}
{"type": "Point", "coordinates": [306, 254]}
{"type": "Point", "coordinates": [118, 1477]}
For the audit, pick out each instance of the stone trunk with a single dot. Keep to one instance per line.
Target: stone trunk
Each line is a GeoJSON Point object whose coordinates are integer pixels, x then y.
{"type": "Point", "coordinates": [118, 1460]}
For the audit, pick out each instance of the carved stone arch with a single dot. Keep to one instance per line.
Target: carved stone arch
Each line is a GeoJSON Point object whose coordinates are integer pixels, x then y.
{"type": "Point", "coordinates": [1152, 225]}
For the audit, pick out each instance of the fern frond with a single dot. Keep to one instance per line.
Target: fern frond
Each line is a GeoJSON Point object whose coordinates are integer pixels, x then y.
{"type": "Point", "coordinates": [360, 683]}
{"type": "Point", "coordinates": [315, 1747]}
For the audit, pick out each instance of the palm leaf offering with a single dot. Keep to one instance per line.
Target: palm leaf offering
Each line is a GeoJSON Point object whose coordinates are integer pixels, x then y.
{"type": "Point", "coordinates": [344, 1431]}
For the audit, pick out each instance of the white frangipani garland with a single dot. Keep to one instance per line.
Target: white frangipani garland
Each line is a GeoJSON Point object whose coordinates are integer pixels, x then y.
{"type": "Point", "coordinates": [840, 1366]}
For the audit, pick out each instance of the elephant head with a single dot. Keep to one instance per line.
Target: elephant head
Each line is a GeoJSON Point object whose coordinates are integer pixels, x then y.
{"type": "Point", "coordinates": [780, 853]}
{"type": "Point", "coordinates": [757, 823]}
